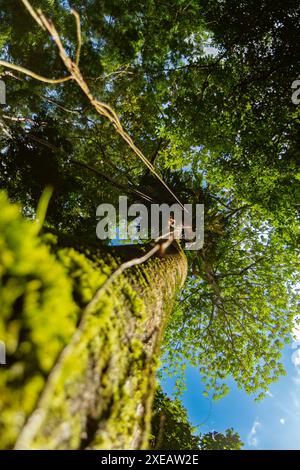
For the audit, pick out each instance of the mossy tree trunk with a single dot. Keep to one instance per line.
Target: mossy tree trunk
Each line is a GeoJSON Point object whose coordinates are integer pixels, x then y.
{"type": "Point", "coordinates": [99, 393]}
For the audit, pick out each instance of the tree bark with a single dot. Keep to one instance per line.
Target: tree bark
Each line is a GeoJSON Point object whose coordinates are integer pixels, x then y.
{"type": "Point", "coordinates": [99, 393]}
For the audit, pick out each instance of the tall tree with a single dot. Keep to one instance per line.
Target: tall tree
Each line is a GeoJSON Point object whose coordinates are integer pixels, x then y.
{"type": "Point", "coordinates": [81, 350]}
{"type": "Point", "coordinates": [216, 133]}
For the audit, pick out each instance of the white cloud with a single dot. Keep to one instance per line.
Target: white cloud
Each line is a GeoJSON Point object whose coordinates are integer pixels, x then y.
{"type": "Point", "coordinates": [282, 421]}
{"type": "Point", "coordinates": [296, 358]}
{"type": "Point", "coordinates": [296, 401]}
{"type": "Point", "coordinates": [296, 380]}
{"type": "Point", "coordinates": [252, 436]}
{"type": "Point", "coordinates": [269, 394]}
{"type": "Point", "coordinates": [296, 335]}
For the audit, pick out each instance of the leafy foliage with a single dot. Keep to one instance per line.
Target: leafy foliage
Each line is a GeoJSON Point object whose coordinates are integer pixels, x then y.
{"type": "Point", "coordinates": [230, 440]}
{"type": "Point", "coordinates": [221, 128]}
{"type": "Point", "coordinates": [172, 430]}
{"type": "Point", "coordinates": [33, 285]}
{"type": "Point", "coordinates": [239, 304]}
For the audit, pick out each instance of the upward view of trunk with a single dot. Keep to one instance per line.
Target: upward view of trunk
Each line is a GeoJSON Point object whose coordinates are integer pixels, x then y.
{"type": "Point", "coordinates": [99, 393]}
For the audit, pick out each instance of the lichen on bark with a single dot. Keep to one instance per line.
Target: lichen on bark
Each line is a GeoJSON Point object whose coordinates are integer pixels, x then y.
{"type": "Point", "coordinates": [98, 392]}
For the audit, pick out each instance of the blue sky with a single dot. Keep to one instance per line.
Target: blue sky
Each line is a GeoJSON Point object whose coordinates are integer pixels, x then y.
{"type": "Point", "coordinates": [273, 423]}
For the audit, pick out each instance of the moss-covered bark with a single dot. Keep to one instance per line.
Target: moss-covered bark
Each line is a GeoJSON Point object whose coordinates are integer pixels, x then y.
{"type": "Point", "coordinates": [99, 393]}
{"type": "Point", "coordinates": [78, 377]}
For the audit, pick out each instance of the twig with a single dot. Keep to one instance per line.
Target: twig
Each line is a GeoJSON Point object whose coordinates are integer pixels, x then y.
{"type": "Point", "coordinates": [67, 110]}
{"type": "Point", "coordinates": [128, 190]}
{"type": "Point", "coordinates": [38, 77]}
{"type": "Point", "coordinates": [21, 119]}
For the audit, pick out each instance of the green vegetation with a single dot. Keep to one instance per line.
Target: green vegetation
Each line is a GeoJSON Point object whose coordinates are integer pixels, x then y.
{"type": "Point", "coordinates": [220, 129]}
{"type": "Point", "coordinates": [107, 370]}
{"type": "Point", "coordinates": [172, 430]}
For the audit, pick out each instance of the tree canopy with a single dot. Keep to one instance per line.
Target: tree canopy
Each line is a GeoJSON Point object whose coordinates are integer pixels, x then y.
{"type": "Point", "coordinates": [172, 430]}
{"type": "Point", "coordinates": [204, 90]}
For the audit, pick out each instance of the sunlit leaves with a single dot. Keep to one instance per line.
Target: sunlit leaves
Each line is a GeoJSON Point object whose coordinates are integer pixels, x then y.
{"type": "Point", "coordinates": [239, 331]}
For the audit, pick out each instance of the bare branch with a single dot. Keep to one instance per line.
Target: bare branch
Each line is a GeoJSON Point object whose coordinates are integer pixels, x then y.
{"type": "Point", "coordinates": [79, 39]}
{"type": "Point", "coordinates": [33, 13]}
{"type": "Point", "coordinates": [38, 77]}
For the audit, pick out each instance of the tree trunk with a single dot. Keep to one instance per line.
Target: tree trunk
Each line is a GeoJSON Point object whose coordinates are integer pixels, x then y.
{"type": "Point", "coordinates": [99, 393]}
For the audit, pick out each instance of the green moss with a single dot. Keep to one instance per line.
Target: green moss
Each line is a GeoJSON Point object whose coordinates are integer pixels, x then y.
{"type": "Point", "coordinates": [102, 360]}
{"type": "Point", "coordinates": [38, 317]}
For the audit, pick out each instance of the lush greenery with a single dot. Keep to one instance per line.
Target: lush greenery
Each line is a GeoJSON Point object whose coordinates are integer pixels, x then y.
{"type": "Point", "coordinates": [48, 288]}
{"type": "Point", "coordinates": [172, 430]}
{"type": "Point", "coordinates": [220, 128]}
{"type": "Point", "coordinates": [33, 285]}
